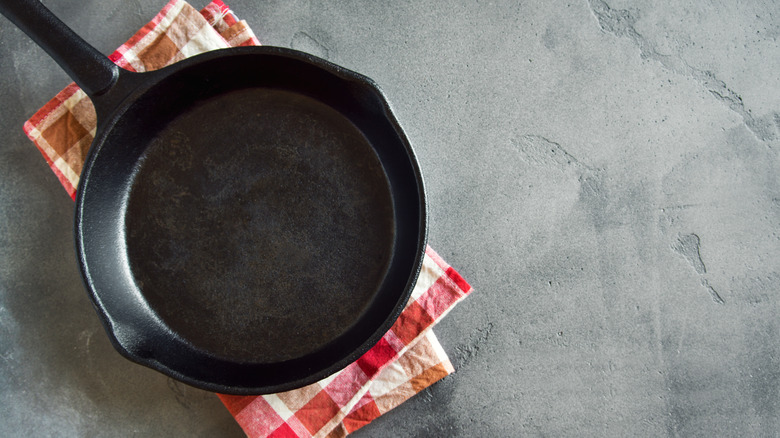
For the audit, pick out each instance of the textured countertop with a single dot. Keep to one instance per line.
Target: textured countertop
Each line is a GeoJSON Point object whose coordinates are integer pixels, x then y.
{"type": "Point", "coordinates": [605, 174]}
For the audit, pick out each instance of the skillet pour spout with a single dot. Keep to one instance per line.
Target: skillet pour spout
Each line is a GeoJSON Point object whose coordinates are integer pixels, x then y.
{"type": "Point", "coordinates": [249, 220]}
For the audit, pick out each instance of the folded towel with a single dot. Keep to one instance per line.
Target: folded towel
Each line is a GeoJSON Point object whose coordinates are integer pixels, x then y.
{"type": "Point", "coordinates": [405, 361]}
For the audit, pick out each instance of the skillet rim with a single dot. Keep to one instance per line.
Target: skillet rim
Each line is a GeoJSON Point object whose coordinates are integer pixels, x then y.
{"type": "Point", "coordinates": [130, 87]}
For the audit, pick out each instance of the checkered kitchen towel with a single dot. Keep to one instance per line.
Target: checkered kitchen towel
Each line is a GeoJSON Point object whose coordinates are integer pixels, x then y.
{"type": "Point", "coordinates": [405, 361]}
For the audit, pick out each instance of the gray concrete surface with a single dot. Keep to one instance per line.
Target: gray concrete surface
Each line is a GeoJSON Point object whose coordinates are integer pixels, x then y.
{"type": "Point", "coordinates": [605, 174]}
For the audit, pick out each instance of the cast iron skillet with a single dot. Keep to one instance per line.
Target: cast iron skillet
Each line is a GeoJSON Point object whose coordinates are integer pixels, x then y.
{"type": "Point", "coordinates": [249, 220]}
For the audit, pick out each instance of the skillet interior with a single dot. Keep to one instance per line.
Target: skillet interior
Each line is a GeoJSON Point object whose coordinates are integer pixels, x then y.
{"type": "Point", "coordinates": [253, 233]}
{"type": "Point", "coordinates": [265, 240]}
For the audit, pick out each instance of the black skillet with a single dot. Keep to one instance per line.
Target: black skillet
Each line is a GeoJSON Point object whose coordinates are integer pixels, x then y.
{"type": "Point", "coordinates": [248, 220]}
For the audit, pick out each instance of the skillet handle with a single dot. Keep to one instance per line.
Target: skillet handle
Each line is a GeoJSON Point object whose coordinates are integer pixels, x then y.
{"type": "Point", "coordinates": [89, 68]}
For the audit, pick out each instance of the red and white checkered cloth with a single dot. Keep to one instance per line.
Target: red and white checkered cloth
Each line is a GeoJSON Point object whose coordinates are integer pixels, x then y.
{"type": "Point", "coordinates": [405, 361]}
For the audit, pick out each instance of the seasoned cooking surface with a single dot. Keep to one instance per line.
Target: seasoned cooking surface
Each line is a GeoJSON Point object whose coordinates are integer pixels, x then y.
{"type": "Point", "coordinates": [261, 241]}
